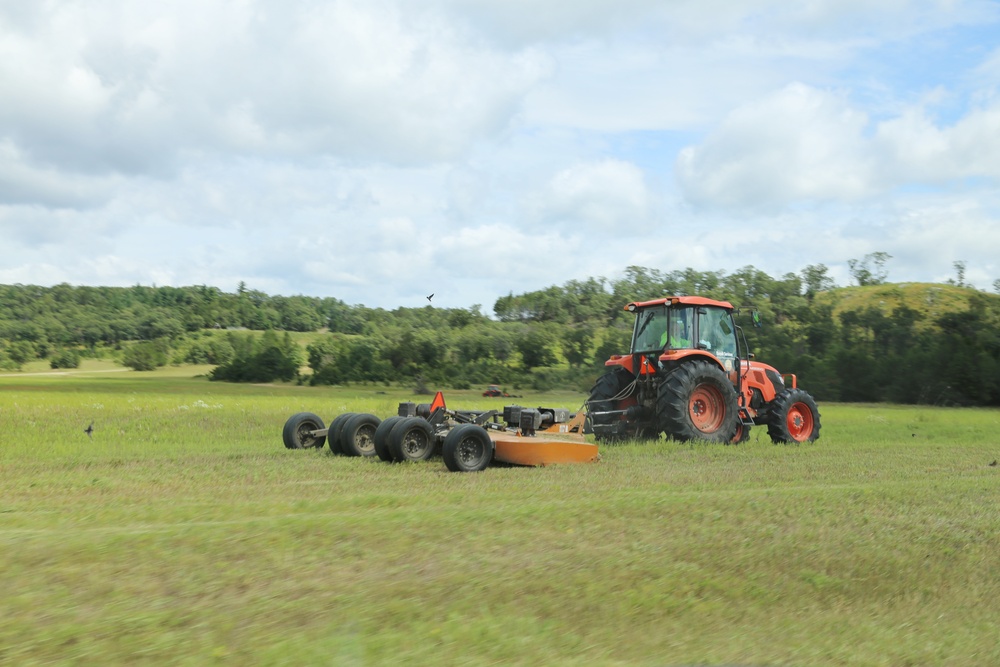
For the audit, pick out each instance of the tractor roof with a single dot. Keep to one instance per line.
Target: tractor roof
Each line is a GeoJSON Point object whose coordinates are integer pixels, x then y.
{"type": "Point", "coordinates": [679, 300]}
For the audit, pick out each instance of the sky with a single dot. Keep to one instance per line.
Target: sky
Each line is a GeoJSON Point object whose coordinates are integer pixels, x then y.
{"type": "Point", "coordinates": [378, 151]}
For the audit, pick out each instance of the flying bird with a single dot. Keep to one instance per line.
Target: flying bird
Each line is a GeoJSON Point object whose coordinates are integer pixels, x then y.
{"type": "Point", "coordinates": [89, 430]}
{"type": "Point", "coordinates": [431, 296]}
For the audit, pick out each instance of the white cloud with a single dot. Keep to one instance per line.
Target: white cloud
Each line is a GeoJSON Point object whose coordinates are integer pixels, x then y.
{"type": "Point", "coordinates": [807, 145]}
{"type": "Point", "coordinates": [124, 88]}
{"type": "Point", "coordinates": [24, 183]}
{"type": "Point", "coordinates": [606, 195]}
{"type": "Point", "coordinates": [799, 143]}
{"type": "Point", "coordinates": [914, 149]}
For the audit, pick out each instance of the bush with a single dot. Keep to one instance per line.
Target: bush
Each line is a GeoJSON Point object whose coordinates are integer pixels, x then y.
{"type": "Point", "coordinates": [263, 359]}
{"type": "Point", "coordinates": [146, 356]}
{"type": "Point", "coordinates": [65, 359]}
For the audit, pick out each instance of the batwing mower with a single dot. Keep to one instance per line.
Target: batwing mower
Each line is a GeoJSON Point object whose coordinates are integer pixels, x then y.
{"type": "Point", "coordinates": [468, 440]}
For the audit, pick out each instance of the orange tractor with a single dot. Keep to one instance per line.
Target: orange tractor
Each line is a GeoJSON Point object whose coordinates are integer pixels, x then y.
{"type": "Point", "coordinates": [690, 376]}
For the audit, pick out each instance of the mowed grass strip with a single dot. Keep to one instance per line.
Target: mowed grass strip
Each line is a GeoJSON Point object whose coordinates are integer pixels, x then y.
{"type": "Point", "coordinates": [183, 532]}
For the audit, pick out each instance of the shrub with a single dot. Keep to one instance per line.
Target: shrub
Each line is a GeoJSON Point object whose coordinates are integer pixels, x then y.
{"type": "Point", "coordinates": [65, 358]}
{"type": "Point", "coordinates": [146, 356]}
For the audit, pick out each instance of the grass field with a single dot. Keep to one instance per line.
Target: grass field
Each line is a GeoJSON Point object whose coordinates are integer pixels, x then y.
{"type": "Point", "coordinates": [183, 533]}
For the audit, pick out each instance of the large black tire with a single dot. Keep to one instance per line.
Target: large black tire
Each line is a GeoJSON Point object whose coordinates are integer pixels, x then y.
{"type": "Point", "coordinates": [411, 440]}
{"type": "Point", "coordinates": [793, 417]}
{"type": "Point", "coordinates": [467, 448]}
{"type": "Point", "coordinates": [607, 394]}
{"type": "Point", "coordinates": [297, 431]}
{"type": "Point", "coordinates": [381, 438]}
{"type": "Point", "coordinates": [742, 433]}
{"type": "Point", "coordinates": [335, 427]}
{"type": "Point", "coordinates": [696, 401]}
{"type": "Point", "coordinates": [357, 437]}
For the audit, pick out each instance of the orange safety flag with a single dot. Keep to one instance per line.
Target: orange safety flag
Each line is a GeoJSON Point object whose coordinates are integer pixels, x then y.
{"type": "Point", "coordinates": [438, 402]}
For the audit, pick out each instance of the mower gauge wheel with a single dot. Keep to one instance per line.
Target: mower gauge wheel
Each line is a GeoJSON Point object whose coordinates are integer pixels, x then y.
{"type": "Point", "coordinates": [336, 426]}
{"type": "Point", "coordinates": [297, 433]}
{"type": "Point", "coordinates": [411, 440]}
{"type": "Point", "coordinates": [357, 437]}
{"type": "Point", "coordinates": [467, 448]}
{"type": "Point", "coordinates": [381, 438]}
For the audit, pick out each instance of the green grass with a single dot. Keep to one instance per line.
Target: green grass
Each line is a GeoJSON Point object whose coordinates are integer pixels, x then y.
{"type": "Point", "coordinates": [184, 533]}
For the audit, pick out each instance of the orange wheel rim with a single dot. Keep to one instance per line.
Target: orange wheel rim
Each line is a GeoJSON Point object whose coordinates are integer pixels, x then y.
{"type": "Point", "coordinates": [800, 422]}
{"type": "Point", "coordinates": [707, 409]}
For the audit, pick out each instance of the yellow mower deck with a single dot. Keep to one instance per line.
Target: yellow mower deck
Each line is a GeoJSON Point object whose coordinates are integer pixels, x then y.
{"type": "Point", "coordinates": [560, 443]}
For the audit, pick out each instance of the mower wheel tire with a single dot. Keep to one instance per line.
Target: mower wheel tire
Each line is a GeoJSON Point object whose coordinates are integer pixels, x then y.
{"type": "Point", "coordinates": [793, 417]}
{"type": "Point", "coordinates": [297, 433]}
{"type": "Point", "coordinates": [357, 437]}
{"type": "Point", "coordinates": [696, 401]}
{"type": "Point", "coordinates": [467, 448]}
{"type": "Point", "coordinates": [411, 440]}
{"type": "Point", "coordinates": [381, 438]}
{"type": "Point", "coordinates": [336, 426]}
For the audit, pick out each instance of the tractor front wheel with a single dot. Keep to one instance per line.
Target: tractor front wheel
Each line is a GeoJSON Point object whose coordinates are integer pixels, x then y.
{"type": "Point", "coordinates": [467, 448]}
{"type": "Point", "coordinates": [793, 417]}
{"type": "Point", "coordinates": [742, 433]}
{"type": "Point", "coordinates": [696, 401]}
{"type": "Point", "coordinates": [298, 431]}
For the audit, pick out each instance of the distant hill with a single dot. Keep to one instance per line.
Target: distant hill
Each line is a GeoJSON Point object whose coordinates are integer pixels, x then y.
{"type": "Point", "coordinates": [930, 300]}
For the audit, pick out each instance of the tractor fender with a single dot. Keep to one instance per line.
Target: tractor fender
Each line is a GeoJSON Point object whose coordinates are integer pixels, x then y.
{"type": "Point", "coordinates": [673, 358]}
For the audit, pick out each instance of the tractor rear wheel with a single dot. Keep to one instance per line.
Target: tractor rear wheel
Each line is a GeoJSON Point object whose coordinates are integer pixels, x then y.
{"type": "Point", "coordinates": [612, 392]}
{"type": "Point", "coordinates": [696, 401]}
{"type": "Point", "coordinates": [335, 427]}
{"type": "Point", "coordinates": [381, 438]}
{"type": "Point", "coordinates": [793, 417]}
{"type": "Point", "coordinates": [411, 440]}
{"type": "Point", "coordinates": [297, 433]}
{"type": "Point", "coordinates": [357, 438]}
{"type": "Point", "coordinates": [467, 448]}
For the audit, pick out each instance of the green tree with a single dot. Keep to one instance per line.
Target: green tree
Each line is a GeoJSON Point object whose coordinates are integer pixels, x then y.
{"type": "Point", "coordinates": [65, 358]}
{"type": "Point", "coordinates": [870, 270]}
{"type": "Point", "coordinates": [146, 355]}
{"type": "Point", "coordinates": [535, 345]}
{"type": "Point", "coordinates": [816, 279]}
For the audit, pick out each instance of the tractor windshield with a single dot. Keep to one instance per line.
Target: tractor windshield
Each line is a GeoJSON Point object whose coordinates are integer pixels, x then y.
{"type": "Point", "coordinates": [650, 328]}
{"type": "Point", "coordinates": [660, 327]}
{"type": "Point", "coordinates": [683, 327]}
{"type": "Point", "coordinates": [716, 333]}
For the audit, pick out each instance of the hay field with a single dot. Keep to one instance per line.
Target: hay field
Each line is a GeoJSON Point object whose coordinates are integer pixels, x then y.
{"type": "Point", "coordinates": [183, 533]}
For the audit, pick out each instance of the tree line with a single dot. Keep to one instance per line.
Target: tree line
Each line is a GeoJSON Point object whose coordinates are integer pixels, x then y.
{"type": "Point", "coordinates": [871, 342]}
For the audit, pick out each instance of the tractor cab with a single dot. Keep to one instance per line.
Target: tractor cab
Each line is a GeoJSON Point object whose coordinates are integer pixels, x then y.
{"type": "Point", "coordinates": [670, 330]}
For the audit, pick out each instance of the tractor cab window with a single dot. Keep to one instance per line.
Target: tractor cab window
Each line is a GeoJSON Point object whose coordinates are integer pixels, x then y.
{"type": "Point", "coordinates": [650, 328]}
{"type": "Point", "coordinates": [716, 332]}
